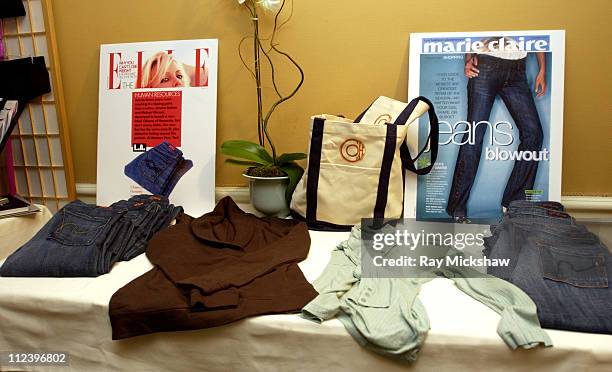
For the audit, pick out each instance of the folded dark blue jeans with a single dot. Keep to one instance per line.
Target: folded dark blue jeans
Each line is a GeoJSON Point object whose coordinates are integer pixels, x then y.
{"type": "Point", "coordinates": [140, 213]}
{"type": "Point", "coordinates": [145, 215]}
{"type": "Point", "coordinates": [159, 169]}
{"type": "Point", "coordinates": [68, 245]}
{"type": "Point", "coordinates": [85, 240]}
{"type": "Point", "coordinates": [143, 220]}
{"type": "Point", "coordinates": [562, 266]}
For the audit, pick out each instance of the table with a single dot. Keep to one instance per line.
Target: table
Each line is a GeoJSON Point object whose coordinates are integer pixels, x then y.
{"type": "Point", "coordinates": [71, 315]}
{"type": "Point", "coordinates": [15, 231]}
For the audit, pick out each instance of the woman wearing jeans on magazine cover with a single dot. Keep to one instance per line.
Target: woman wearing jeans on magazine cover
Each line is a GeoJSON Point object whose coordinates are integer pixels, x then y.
{"type": "Point", "coordinates": [490, 74]}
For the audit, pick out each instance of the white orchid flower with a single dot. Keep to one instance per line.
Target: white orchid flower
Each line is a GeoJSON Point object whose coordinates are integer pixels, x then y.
{"type": "Point", "coordinates": [270, 4]}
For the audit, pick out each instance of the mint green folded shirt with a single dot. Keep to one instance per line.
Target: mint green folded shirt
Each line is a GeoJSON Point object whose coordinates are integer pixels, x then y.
{"type": "Point", "coordinates": [386, 316]}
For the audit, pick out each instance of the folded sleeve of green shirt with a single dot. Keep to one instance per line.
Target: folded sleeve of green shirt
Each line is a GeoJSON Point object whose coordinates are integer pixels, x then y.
{"type": "Point", "coordinates": [336, 280]}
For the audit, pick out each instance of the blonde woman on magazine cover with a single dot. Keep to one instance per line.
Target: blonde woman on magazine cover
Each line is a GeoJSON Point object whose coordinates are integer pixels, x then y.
{"type": "Point", "coordinates": [162, 70]}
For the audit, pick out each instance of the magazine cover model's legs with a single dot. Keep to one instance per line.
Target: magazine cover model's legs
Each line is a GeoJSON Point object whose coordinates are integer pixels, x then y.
{"type": "Point", "coordinates": [481, 92]}
{"type": "Point", "coordinates": [519, 100]}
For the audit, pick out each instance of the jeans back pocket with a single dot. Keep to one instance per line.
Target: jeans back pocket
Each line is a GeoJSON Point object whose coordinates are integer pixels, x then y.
{"type": "Point", "coordinates": [78, 229]}
{"type": "Point", "coordinates": [585, 269]}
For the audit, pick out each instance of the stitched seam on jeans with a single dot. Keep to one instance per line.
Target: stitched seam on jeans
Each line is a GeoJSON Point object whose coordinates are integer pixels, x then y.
{"type": "Point", "coordinates": [567, 281]}
{"type": "Point", "coordinates": [56, 235]}
{"type": "Point", "coordinates": [597, 283]}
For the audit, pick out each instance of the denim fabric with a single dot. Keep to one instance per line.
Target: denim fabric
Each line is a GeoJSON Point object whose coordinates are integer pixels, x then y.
{"type": "Point", "coordinates": [507, 79]}
{"type": "Point", "coordinates": [159, 169]}
{"type": "Point", "coordinates": [140, 216]}
{"type": "Point", "coordinates": [179, 171]}
{"type": "Point", "coordinates": [85, 240]}
{"type": "Point", "coordinates": [562, 266]}
{"type": "Point", "coordinates": [68, 245]}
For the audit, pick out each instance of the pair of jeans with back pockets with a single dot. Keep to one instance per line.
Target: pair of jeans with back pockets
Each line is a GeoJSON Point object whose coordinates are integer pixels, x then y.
{"type": "Point", "coordinates": [68, 245]}
{"type": "Point", "coordinates": [507, 79]}
{"type": "Point", "coordinates": [84, 240]}
{"type": "Point", "coordinates": [562, 266]}
{"type": "Point", "coordinates": [159, 169]}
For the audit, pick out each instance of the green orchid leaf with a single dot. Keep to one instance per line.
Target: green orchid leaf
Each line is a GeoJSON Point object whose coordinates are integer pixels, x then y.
{"type": "Point", "coordinates": [290, 157]}
{"type": "Point", "coordinates": [294, 172]}
{"type": "Point", "coordinates": [243, 162]}
{"type": "Point", "coordinates": [247, 150]}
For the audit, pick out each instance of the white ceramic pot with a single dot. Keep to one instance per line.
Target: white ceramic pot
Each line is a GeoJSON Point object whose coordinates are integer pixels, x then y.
{"type": "Point", "coordinates": [268, 195]}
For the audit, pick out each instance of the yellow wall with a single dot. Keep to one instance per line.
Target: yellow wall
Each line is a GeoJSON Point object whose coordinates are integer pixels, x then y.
{"type": "Point", "coordinates": [351, 51]}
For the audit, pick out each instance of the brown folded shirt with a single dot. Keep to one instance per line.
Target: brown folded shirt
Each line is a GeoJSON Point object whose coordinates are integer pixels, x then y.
{"type": "Point", "coordinates": [213, 270]}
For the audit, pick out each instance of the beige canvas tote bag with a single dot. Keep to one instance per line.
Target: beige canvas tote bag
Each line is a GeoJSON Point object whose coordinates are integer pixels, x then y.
{"type": "Point", "coordinates": [356, 168]}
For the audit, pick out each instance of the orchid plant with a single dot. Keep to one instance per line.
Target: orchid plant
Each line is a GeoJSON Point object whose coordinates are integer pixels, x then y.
{"type": "Point", "coordinates": [255, 155]}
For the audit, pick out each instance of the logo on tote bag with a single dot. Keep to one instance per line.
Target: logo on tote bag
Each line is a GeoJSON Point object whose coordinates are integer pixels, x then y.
{"type": "Point", "coordinates": [383, 119]}
{"type": "Point", "coordinates": [352, 150]}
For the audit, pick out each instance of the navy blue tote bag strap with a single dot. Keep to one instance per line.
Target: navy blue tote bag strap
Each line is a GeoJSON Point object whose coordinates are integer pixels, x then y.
{"type": "Point", "coordinates": [314, 167]}
{"type": "Point", "coordinates": [433, 137]}
{"type": "Point", "coordinates": [385, 172]}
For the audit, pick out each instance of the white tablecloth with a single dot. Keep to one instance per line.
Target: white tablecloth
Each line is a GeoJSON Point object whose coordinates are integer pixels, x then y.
{"type": "Point", "coordinates": [70, 315]}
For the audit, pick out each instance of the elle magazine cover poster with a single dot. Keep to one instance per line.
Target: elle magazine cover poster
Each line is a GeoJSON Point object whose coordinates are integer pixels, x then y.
{"type": "Point", "coordinates": [157, 121]}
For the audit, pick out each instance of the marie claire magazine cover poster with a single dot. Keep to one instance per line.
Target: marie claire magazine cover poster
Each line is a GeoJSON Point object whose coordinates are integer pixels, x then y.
{"type": "Point", "coordinates": [499, 99]}
{"type": "Point", "coordinates": [157, 121]}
